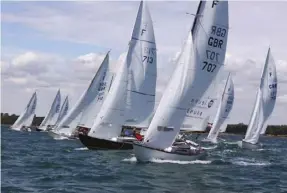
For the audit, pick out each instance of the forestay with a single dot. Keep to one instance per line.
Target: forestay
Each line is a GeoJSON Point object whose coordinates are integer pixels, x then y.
{"type": "Point", "coordinates": [51, 116]}
{"type": "Point", "coordinates": [132, 97]}
{"type": "Point", "coordinates": [71, 120]}
{"type": "Point", "coordinates": [224, 108]}
{"type": "Point", "coordinates": [265, 101]}
{"type": "Point", "coordinates": [197, 67]}
{"type": "Point", "coordinates": [26, 118]}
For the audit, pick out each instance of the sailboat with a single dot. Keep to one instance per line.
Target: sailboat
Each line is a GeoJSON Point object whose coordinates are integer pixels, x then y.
{"type": "Point", "coordinates": [264, 104]}
{"type": "Point", "coordinates": [24, 121]}
{"type": "Point", "coordinates": [63, 111]}
{"type": "Point", "coordinates": [99, 84]}
{"type": "Point", "coordinates": [224, 108]}
{"type": "Point", "coordinates": [50, 118]}
{"type": "Point", "coordinates": [89, 114]}
{"type": "Point", "coordinates": [131, 100]}
{"type": "Point", "coordinates": [196, 70]}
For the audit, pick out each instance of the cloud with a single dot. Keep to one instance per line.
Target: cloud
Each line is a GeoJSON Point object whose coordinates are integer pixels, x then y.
{"type": "Point", "coordinates": [283, 98]}
{"type": "Point", "coordinates": [108, 25]}
{"type": "Point", "coordinates": [31, 70]}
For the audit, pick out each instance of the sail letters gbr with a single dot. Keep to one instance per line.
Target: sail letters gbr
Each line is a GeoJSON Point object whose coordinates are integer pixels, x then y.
{"type": "Point", "coordinates": [216, 48]}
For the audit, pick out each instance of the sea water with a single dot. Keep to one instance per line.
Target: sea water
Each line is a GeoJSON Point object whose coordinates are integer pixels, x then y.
{"type": "Point", "coordinates": [35, 162]}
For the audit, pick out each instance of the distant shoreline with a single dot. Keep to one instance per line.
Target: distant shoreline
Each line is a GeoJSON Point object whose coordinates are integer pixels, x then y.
{"type": "Point", "coordinates": [237, 129]}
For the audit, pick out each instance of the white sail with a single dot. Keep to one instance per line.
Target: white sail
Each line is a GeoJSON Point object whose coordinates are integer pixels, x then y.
{"type": "Point", "coordinates": [142, 64]}
{"type": "Point", "coordinates": [223, 128]}
{"type": "Point", "coordinates": [224, 108]}
{"type": "Point", "coordinates": [269, 91]}
{"type": "Point", "coordinates": [197, 67]}
{"type": "Point", "coordinates": [64, 110]}
{"type": "Point", "coordinates": [111, 116]}
{"type": "Point", "coordinates": [253, 130]}
{"type": "Point", "coordinates": [197, 115]}
{"type": "Point", "coordinates": [72, 119]}
{"type": "Point", "coordinates": [51, 116]}
{"type": "Point", "coordinates": [26, 117]}
{"type": "Point", "coordinates": [131, 99]}
{"type": "Point", "coordinates": [265, 101]}
{"type": "Point", "coordinates": [104, 81]}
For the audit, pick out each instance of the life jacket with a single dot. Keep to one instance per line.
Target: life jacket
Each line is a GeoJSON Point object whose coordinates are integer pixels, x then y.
{"type": "Point", "coordinates": [139, 137]}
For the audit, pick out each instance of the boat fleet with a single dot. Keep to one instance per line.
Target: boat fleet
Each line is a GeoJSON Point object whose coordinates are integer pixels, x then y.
{"type": "Point", "coordinates": [118, 111]}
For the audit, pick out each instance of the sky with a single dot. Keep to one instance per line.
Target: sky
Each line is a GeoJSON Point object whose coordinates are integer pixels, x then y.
{"type": "Point", "coordinates": [50, 45]}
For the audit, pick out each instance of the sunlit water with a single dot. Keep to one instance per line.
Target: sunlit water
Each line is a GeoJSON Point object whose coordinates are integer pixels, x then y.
{"type": "Point", "coordinates": [34, 162]}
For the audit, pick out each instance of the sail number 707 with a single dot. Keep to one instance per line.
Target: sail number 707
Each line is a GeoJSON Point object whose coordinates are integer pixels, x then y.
{"type": "Point", "coordinates": [209, 67]}
{"type": "Point", "coordinates": [211, 55]}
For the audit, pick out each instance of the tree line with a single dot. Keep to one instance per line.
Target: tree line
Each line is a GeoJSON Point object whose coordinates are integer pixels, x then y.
{"type": "Point", "coordinates": [7, 119]}
{"type": "Point", "coordinates": [240, 128]}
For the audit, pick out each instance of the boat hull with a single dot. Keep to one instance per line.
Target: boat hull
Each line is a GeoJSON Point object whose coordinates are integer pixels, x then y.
{"type": "Point", "coordinates": [58, 136]}
{"type": "Point", "coordinates": [246, 145]}
{"type": "Point", "coordinates": [146, 154]}
{"type": "Point", "coordinates": [103, 144]}
{"type": "Point", "coordinates": [38, 129]}
{"type": "Point", "coordinates": [28, 129]}
{"type": "Point", "coordinates": [55, 135]}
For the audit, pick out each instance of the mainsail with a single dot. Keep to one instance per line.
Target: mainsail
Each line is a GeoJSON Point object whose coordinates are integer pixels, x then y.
{"type": "Point", "coordinates": [51, 116]}
{"type": "Point", "coordinates": [197, 116]}
{"type": "Point", "coordinates": [105, 80]}
{"type": "Point", "coordinates": [72, 119]}
{"type": "Point", "coordinates": [265, 101]}
{"type": "Point", "coordinates": [26, 117]}
{"type": "Point", "coordinates": [199, 63]}
{"type": "Point", "coordinates": [132, 96]}
{"type": "Point", "coordinates": [141, 61]}
{"type": "Point", "coordinates": [199, 111]}
{"type": "Point", "coordinates": [224, 108]}
{"type": "Point", "coordinates": [64, 110]}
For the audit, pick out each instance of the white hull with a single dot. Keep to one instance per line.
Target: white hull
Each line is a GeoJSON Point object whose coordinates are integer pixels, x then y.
{"type": "Point", "coordinates": [22, 129]}
{"type": "Point", "coordinates": [246, 145]}
{"type": "Point", "coordinates": [57, 136]}
{"type": "Point", "coordinates": [44, 128]}
{"type": "Point", "coordinates": [145, 154]}
{"type": "Point", "coordinates": [16, 129]}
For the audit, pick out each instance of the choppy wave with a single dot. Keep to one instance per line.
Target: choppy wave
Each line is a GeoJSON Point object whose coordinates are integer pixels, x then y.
{"type": "Point", "coordinates": [134, 159]}
{"type": "Point", "coordinates": [61, 138]}
{"type": "Point", "coordinates": [49, 164]}
{"type": "Point", "coordinates": [81, 148]}
{"type": "Point", "coordinates": [211, 147]}
{"type": "Point", "coordinates": [249, 162]}
{"type": "Point", "coordinates": [181, 162]}
{"type": "Point", "coordinates": [231, 142]}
